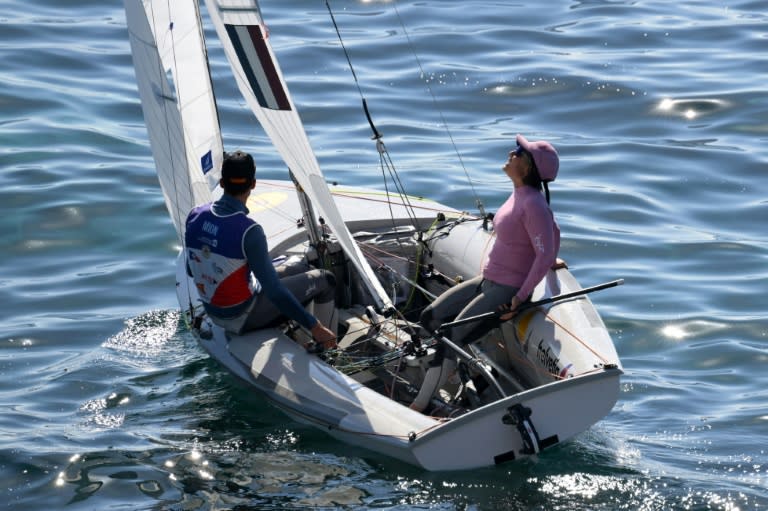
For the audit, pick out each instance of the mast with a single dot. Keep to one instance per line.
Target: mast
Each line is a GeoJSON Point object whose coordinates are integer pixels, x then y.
{"type": "Point", "coordinates": [308, 214]}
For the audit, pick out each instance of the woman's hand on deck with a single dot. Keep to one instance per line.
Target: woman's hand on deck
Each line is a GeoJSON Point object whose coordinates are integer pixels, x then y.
{"type": "Point", "coordinates": [508, 311]}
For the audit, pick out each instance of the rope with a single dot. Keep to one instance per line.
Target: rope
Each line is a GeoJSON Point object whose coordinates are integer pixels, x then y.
{"type": "Point", "coordinates": [385, 161]}
{"type": "Point", "coordinates": [526, 361]}
{"type": "Point", "coordinates": [478, 202]}
{"type": "Point", "coordinates": [579, 340]}
{"type": "Point", "coordinates": [355, 194]}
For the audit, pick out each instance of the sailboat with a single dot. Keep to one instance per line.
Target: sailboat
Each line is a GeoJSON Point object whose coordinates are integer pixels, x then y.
{"type": "Point", "coordinates": [526, 386]}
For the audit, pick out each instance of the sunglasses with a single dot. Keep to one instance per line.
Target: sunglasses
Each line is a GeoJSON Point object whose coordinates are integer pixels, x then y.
{"type": "Point", "coordinates": [519, 151]}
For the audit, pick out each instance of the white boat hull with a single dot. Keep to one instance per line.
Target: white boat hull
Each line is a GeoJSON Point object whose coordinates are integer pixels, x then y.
{"type": "Point", "coordinates": [566, 338]}
{"type": "Point", "coordinates": [524, 386]}
{"type": "Point", "coordinates": [312, 392]}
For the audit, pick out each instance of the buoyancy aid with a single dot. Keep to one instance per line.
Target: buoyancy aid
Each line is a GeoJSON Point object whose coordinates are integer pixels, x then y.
{"type": "Point", "coordinates": [216, 257]}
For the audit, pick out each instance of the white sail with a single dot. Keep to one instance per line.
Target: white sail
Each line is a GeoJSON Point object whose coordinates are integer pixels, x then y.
{"type": "Point", "coordinates": [177, 99]}
{"type": "Point", "coordinates": [244, 37]}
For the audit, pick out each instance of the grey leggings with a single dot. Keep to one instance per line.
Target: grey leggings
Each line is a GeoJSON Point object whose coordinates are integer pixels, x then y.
{"type": "Point", "coordinates": [304, 283]}
{"type": "Point", "coordinates": [470, 298]}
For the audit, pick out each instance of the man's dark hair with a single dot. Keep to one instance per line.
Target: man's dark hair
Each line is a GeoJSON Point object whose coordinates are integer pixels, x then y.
{"type": "Point", "coordinates": [238, 172]}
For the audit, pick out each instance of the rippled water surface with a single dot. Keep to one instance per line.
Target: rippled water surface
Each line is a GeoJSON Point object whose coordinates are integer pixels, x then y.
{"type": "Point", "coordinates": [659, 112]}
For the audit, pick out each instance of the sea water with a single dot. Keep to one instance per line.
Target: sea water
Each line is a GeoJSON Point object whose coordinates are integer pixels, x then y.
{"type": "Point", "coordinates": [660, 115]}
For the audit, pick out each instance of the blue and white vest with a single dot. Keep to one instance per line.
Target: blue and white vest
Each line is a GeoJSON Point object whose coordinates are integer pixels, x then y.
{"type": "Point", "coordinates": [216, 257]}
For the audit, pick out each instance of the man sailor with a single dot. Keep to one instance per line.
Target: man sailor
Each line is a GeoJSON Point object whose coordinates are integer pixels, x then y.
{"type": "Point", "coordinates": [228, 259]}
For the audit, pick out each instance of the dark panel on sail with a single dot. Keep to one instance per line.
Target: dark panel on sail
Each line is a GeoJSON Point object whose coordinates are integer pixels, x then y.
{"type": "Point", "coordinates": [253, 53]}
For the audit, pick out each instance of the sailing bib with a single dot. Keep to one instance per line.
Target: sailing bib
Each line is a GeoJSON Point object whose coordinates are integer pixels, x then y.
{"type": "Point", "coordinates": [216, 258]}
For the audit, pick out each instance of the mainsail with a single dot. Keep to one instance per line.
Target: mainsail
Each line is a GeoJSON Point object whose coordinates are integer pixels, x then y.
{"type": "Point", "coordinates": [244, 37]}
{"type": "Point", "coordinates": [177, 98]}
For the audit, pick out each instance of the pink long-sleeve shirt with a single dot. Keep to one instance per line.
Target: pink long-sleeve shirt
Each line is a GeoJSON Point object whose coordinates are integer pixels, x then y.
{"type": "Point", "coordinates": [527, 241]}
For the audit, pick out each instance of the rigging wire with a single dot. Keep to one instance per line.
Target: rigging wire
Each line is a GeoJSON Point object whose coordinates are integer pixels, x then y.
{"type": "Point", "coordinates": [384, 158]}
{"type": "Point", "coordinates": [478, 202]}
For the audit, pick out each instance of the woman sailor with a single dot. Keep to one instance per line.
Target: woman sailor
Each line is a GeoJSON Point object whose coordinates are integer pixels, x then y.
{"type": "Point", "coordinates": [526, 247]}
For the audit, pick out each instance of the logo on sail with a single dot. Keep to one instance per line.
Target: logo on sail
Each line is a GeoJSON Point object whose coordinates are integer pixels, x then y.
{"type": "Point", "coordinates": [206, 162]}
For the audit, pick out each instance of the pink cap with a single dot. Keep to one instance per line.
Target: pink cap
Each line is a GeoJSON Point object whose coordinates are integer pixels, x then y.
{"type": "Point", "coordinates": [544, 156]}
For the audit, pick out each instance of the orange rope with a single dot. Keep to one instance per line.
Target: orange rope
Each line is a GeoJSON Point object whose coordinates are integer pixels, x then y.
{"type": "Point", "coordinates": [526, 361]}
{"type": "Point", "coordinates": [368, 248]}
{"type": "Point", "coordinates": [350, 194]}
{"type": "Point", "coordinates": [579, 340]}
{"type": "Point", "coordinates": [281, 232]}
{"type": "Point", "coordinates": [354, 194]}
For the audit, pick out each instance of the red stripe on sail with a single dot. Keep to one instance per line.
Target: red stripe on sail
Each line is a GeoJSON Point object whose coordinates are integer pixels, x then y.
{"type": "Point", "coordinates": [270, 71]}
